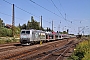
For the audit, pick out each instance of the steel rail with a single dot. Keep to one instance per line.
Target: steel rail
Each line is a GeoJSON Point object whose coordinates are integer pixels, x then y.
{"type": "Point", "coordinates": [55, 50]}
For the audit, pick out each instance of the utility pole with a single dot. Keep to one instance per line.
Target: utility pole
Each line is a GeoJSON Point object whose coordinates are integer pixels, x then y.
{"type": "Point", "coordinates": [13, 21]}
{"type": "Point", "coordinates": [41, 22]}
{"type": "Point", "coordinates": [52, 25]}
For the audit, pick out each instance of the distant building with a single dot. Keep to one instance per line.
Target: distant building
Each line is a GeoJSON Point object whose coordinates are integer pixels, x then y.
{"type": "Point", "coordinates": [8, 26]}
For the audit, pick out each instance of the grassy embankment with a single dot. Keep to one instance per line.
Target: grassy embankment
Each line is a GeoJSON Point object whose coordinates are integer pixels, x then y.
{"type": "Point", "coordinates": [82, 51]}
{"type": "Point", "coordinates": [4, 40]}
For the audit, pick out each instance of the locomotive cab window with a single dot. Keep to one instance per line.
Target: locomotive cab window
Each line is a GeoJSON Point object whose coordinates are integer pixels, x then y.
{"type": "Point", "coordinates": [23, 32]}
{"type": "Point", "coordinates": [27, 32]}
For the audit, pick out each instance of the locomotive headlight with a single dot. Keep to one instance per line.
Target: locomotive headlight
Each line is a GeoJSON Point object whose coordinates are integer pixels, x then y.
{"type": "Point", "coordinates": [74, 49]}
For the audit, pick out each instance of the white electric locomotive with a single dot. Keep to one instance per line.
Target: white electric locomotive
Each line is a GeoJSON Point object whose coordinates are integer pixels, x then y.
{"type": "Point", "coordinates": [31, 36]}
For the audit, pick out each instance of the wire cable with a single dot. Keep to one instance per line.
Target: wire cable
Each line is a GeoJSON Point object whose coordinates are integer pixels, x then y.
{"type": "Point", "coordinates": [10, 15]}
{"type": "Point", "coordinates": [20, 8]}
{"type": "Point", "coordinates": [57, 9]}
{"type": "Point", "coordinates": [45, 8]}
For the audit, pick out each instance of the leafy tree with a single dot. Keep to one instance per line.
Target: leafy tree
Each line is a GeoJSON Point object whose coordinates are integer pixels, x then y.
{"type": "Point", "coordinates": [19, 26]}
{"type": "Point", "coordinates": [5, 32]}
{"type": "Point", "coordinates": [9, 33]}
{"type": "Point", "coordinates": [60, 32]}
{"type": "Point", "coordinates": [1, 23]}
{"type": "Point", "coordinates": [17, 30]}
{"type": "Point", "coordinates": [24, 26]}
{"type": "Point", "coordinates": [64, 32]}
{"type": "Point", "coordinates": [49, 29]}
{"type": "Point", "coordinates": [33, 24]}
{"type": "Point", "coordinates": [29, 25]}
{"type": "Point", "coordinates": [67, 31]}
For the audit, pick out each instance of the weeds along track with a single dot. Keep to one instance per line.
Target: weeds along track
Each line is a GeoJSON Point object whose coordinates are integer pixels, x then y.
{"type": "Point", "coordinates": [34, 51]}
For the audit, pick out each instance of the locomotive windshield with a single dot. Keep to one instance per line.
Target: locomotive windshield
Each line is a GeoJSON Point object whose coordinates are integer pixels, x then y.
{"type": "Point", "coordinates": [25, 32]}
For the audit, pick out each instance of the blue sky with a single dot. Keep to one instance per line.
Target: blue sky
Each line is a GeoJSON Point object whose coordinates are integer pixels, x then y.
{"type": "Point", "coordinates": [77, 12]}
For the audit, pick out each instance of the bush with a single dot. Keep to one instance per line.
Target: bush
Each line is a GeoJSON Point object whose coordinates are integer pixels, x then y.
{"type": "Point", "coordinates": [82, 51]}
{"type": "Point", "coordinates": [8, 41]}
{"type": "Point", "coordinates": [73, 57]}
{"type": "Point", "coordinates": [5, 32]}
{"type": "Point", "coordinates": [8, 32]}
{"type": "Point", "coordinates": [4, 40]}
{"type": "Point", "coordinates": [87, 56]}
{"type": "Point", "coordinates": [1, 41]}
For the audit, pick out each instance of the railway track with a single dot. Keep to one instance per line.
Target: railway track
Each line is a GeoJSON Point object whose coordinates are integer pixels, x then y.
{"type": "Point", "coordinates": [11, 46]}
{"type": "Point", "coordinates": [7, 48]}
{"type": "Point", "coordinates": [33, 52]}
{"type": "Point", "coordinates": [54, 54]}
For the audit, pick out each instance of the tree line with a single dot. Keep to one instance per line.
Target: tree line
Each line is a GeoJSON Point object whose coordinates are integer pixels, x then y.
{"type": "Point", "coordinates": [6, 30]}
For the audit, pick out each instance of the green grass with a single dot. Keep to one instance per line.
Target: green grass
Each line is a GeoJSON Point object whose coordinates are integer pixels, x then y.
{"type": "Point", "coordinates": [8, 40]}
